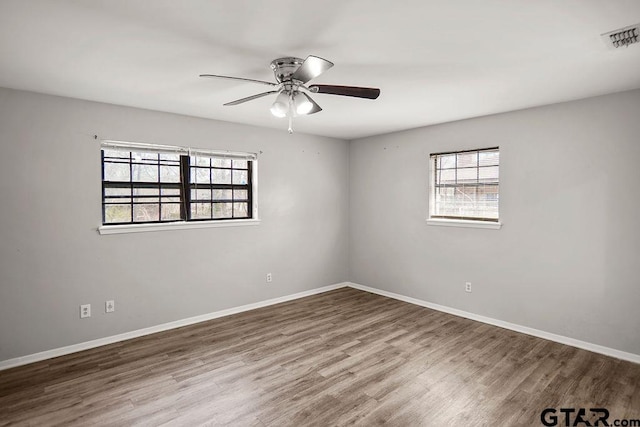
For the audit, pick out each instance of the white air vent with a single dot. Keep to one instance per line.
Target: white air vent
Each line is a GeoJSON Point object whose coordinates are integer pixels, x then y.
{"type": "Point", "coordinates": [622, 37]}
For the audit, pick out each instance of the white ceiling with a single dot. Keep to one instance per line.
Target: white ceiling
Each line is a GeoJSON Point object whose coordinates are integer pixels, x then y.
{"type": "Point", "coordinates": [435, 61]}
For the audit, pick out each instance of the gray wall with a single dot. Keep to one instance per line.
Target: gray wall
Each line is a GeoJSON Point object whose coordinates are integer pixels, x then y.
{"type": "Point", "coordinates": [564, 261]}
{"type": "Point", "coordinates": [52, 259]}
{"type": "Point", "coordinates": [567, 258]}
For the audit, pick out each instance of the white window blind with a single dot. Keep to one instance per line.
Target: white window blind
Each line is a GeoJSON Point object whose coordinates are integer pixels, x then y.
{"type": "Point", "coordinates": [465, 185]}
{"type": "Point", "coordinates": [140, 147]}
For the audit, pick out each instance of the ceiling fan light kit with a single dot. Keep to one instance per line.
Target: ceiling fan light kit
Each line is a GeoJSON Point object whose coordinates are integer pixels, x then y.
{"type": "Point", "coordinates": [292, 75]}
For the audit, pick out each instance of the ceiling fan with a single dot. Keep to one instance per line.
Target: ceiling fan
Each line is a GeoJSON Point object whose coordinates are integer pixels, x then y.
{"type": "Point", "coordinates": [292, 76]}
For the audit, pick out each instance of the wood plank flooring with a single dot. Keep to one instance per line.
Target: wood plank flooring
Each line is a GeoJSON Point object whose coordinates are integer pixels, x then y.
{"type": "Point", "coordinates": [337, 358]}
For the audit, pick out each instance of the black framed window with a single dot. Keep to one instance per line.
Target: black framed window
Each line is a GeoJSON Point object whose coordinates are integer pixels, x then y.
{"type": "Point", "coordinates": [141, 186]}
{"type": "Point", "coordinates": [219, 188]}
{"type": "Point", "coordinates": [465, 185]}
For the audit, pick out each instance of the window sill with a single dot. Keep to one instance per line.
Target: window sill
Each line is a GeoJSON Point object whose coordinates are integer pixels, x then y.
{"type": "Point", "coordinates": [464, 223]}
{"type": "Point", "coordinates": [141, 228]}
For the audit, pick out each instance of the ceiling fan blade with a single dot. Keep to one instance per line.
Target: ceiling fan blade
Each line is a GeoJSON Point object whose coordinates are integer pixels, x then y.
{"type": "Point", "coordinates": [238, 78]}
{"type": "Point", "coordinates": [311, 68]}
{"type": "Point", "coordinates": [358, 92]}
{"type": "Point", "coordinates": [316, 108]}
{"type": "Point", "coordinates": [250, 98]}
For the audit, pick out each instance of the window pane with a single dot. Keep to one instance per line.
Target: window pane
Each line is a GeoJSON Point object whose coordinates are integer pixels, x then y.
{"type": "Point", "coordinates": [138, 191]}
{"type": "Point", "coordinates": [114, 191]}
{"type": "Point", "coordinates": [489, 158]}
{"type": "Point", "coordinates": [170, 200]}
{"type": "Point", "coordinates": [200, 210]}
{"type": "Point", "coordinates": [146, 199]}
{"type": "Point", "coordinates": [467, 175]}
{"type": "Point", "coordinates": [170, 173]}
{"type": "Point", "coordinates": [489, 174]}
{"type": "Point", "coordinates": [467, 160]}
{"type": "Point", "coordinates": [222, 194]}
{"type": "Point", "coordinates": [116, 171]}
{"type": "Point", "coordinates": [240, 194]}
{"type": "Point", "coordinates": [116, 154]}
{"type": "Point", "coordinates": [117, 213]}
{"type": "Point", "coordinates": [240, 177]}
{"type": "Point", "coordinates": [222, 210]}
{"type": "Point", "coordinates": [240, 210]}
{"type": "Point", "coordinates": [170, 212]}
{"type": "Point", "coordinates": [221, 163]}
{"type": "Point", "coordinates": [239, 164]}
{"type": "Point", "coordinates": [170, 191]}
{"type": "Point", "coordinates": [221, 176]}
{"type": "Point", "coordinates": [146, 212]}
{"type": "Point", "coordinates": [200, 161]}
{"type": "Point", "coordinates": [447, 161]}
{"type": "Point", "coordinates": [120, 200]}
{"type": "Point", "coordinates": [200, 194]}
{"type": "Point", "coordinates": [447, 176]}
{"type": "Point", "coordinates": [201, 175]}
{"type": "Point", "coordinates": [144, 173]}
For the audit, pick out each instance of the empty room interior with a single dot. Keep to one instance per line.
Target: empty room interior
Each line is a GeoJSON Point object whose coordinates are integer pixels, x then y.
{"type": "Point", "coordinates": [245, 213]}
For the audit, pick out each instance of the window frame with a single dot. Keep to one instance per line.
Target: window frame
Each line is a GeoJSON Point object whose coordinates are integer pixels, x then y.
{"type": "Point", "coordinates": [458, 221]}
{"type": "Point", "coordinates": [185, 185]}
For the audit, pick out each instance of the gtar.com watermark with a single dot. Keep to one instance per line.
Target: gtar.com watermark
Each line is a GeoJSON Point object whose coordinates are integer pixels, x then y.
{"type": "Point", "coordinates": [586, 417]}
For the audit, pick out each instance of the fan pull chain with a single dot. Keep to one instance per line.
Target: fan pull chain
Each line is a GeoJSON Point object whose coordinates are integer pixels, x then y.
{"type": "Point", "coordinates": [290, 129]}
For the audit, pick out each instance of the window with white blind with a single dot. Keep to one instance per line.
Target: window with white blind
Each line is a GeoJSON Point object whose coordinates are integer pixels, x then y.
{"type": "Point", "coordinates": [465, 185]}
{"type": "Point", "coordinates": [155, 184]}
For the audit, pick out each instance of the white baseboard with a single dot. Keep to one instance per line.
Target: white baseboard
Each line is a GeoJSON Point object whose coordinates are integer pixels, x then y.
{"type": "Point", "coordinates": [631, 357]}
{"type": "Point", "coordinates": [23, 360]}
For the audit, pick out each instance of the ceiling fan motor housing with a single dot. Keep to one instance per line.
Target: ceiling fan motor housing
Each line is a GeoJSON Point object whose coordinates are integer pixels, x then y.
{"type": "Point", "coordinates": [283, 68]}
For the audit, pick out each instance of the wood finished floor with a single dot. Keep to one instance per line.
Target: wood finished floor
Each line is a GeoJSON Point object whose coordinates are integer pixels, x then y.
{"type": "Point", "coordinates": [337, 358]}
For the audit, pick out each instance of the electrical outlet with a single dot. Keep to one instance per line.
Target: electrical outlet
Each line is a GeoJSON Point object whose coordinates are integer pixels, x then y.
{"type": "Point", "coordinates": [467, 287]}
{"type": "Point", "coordinates": [110, 306]}
{"type": "Point", "coordinates": [269, 278]}
{"type": "Point", "coordinates": [85, 311]}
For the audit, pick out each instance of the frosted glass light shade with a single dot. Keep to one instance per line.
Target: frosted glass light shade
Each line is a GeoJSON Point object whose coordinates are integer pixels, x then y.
{"type": "Point", "coordinates": [280, 107]}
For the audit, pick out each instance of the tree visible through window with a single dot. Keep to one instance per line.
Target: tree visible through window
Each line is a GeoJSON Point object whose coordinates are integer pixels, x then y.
{"type": "Point", "coordinates": [465, 185]}
{"type": "Point", "coordinates": [140, 185]}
